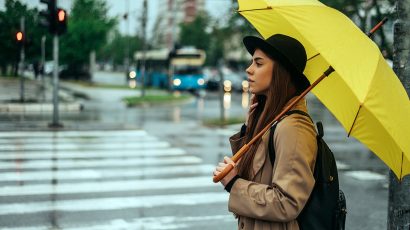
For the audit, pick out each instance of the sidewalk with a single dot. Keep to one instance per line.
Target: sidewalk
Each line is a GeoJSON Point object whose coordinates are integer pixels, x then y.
{"type": "Point", "coordinates": [38, 96]}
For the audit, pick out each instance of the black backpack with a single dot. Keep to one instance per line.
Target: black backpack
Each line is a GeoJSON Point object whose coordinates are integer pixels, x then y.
{"type": "Point", "coordinates": [326, 207]}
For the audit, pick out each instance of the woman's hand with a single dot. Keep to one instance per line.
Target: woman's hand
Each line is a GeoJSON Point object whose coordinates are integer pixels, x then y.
{"type": "Point", "coordinates": [221, 166]}
{"type": "Point", "coordinates": [252, 107]}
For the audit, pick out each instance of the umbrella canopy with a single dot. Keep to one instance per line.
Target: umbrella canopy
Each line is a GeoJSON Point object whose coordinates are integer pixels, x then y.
{"type": "Point", "coordinates": [363, 93]}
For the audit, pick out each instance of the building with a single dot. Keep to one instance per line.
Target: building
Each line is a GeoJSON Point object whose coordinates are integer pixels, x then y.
{"type": "Point", "coordinates": [170, 14]}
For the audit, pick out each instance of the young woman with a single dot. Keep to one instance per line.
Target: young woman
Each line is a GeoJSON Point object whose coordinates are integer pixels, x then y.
{"type": "Point", "coordinates": [262, 195]}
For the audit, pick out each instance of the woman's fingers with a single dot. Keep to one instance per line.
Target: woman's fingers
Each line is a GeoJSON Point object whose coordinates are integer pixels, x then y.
{"type": "Point", "coordinates": [253, 106]}
{"type": "Point", "coordinates": [222, 164]}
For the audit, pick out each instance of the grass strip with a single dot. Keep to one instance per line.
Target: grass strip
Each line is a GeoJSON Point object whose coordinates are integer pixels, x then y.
{"type": "Point", "coordinates": [155, 99]}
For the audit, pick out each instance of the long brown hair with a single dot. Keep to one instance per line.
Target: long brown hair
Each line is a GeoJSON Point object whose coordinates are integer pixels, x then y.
{"type": "Point", "coordinates": [280, 91]}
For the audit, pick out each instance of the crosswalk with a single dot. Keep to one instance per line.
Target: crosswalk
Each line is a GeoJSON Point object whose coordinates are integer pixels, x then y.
{"type": "Point", "coordinates": [105, 180]}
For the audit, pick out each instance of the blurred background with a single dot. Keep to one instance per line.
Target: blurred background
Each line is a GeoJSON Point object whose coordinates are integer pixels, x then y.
{"type": "Point", "coordinates": [124, 132]}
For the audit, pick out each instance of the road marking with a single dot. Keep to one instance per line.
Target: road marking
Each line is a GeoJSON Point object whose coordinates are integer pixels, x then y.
{"type": "Point", "coordinates": [92, 154]}
{"type": "Point", "coordinates": [160, 222]}
{"type": "Point", "coordinates": [147, 223]}
{"type": "Point", "coordinates": [106, 162]}
{"type": "Point", "coordinates": [109, 186]}
{"type": "Point", "coordinates": [70, 146]}
{"type": "Point", "coordinates": [107, 133]}
{"type": "Point", "coordinates": [82, 140]}
{"type": "Point", "coordinates": [342, 166]}
{"type": "Point", "coordinates": [104, 204]}
{"type": "Point", "coordinates": [82, 174]}
{"type": "Point", "coordinates": [366, 175]}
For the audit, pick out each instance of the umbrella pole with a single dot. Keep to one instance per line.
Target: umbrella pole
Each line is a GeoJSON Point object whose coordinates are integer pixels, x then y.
{"type": "Point", "coordinates": [245, 147]}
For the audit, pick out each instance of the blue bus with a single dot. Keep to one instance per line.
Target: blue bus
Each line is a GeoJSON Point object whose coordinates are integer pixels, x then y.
{"type": "Point", "coordinates": [180, 69]}
{"type": "Point", "coordinates": [185, 67]}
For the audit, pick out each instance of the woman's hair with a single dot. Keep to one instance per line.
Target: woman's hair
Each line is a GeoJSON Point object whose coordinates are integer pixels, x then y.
{"type": "Point", "coordinates": [280, 91]}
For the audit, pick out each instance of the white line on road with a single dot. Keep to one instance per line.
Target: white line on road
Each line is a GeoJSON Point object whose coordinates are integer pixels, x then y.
{"type": "Point", "coordinates": [106, 162]}
{"type": "Point", "coordinates": [92, 154]}
{"type": "Point", "coordinates": [147, 223]}
{"type": "Point", "coordinates": [82, 174]}
{"type": "Point", "coordinates": [104, 204]}
{"type": "Point", "coordinates": [81, 146]}
{"type": "Point", "coordinates": [109, 186]}
{"type": "Point", "coordinates": [366, 175]}
{"type": "Point", "coordinates": [103, 133]}
{"type": "Point", "coordinates": [161, 222]}
{"type": "Point", "coordinates": [82, 140]}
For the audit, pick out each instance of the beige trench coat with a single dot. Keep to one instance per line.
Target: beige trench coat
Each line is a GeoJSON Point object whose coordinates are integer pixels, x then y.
{"type": "Point", "coordinates": [275, 197]}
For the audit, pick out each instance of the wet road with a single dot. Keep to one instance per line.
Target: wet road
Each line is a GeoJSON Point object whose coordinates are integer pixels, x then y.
{"type": "Point", "coordinates": [148, 167]}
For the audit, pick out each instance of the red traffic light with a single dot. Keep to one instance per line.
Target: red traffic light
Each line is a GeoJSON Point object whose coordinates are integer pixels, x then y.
{"type": "Point", "coordinates": [61, 15]}
{"type": "Point", "coordinates": [19, 36]}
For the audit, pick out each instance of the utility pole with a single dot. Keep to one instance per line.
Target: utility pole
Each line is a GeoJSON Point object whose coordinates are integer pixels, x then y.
{"type": "Point", "coordinates": [399, 191]}
{"type": "Point", "coordinates": [43, 61]}
{"type": "Point", "coordinates": [144, 46]}
{"type": "Point", "coordinates": [221, 89]}
{"type": "Point", "coordinates": [127, 47]}
{"type": "Point", "coordinates": [55, 123]}
{"type": "Point", "coordinates": [22, 57]}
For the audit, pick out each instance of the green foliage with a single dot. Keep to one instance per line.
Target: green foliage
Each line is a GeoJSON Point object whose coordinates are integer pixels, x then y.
{"type": "Point", "coordinates": [194, 33]}
{"type": "Point", "coordinates": [88, 27]}
{"type": "Point", "coordinates": [10, 24]}
{"type": "Point", "coordinates": [116, 49]}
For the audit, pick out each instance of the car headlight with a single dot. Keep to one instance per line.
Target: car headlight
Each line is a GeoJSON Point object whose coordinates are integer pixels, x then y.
{"type": "Point", "coordinates": [177, 82]}
{"type": "Point", "coordinates": [201, 81]}
{"type": "Point", "coordinates": [132, 74]}
{"type": "Point", "coordinates": [227, 85]}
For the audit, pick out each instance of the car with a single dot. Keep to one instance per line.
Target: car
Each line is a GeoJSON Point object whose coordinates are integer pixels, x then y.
{"type": "Point", "coordinates": [235, 82]}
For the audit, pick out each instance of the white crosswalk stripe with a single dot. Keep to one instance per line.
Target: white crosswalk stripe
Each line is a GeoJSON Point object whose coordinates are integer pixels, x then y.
{"type": "Point", "coordinates": [187, 199]}
{"type": "Point", "coordinates": [87, 154]}
{"type": "Point", "coordinates": [81, 174]}
{"type": "Point", "coordinates": [109, 171]}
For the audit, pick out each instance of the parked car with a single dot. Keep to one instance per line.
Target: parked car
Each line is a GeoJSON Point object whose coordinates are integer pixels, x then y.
{"type": "Point", "coordinates": [234, 82]}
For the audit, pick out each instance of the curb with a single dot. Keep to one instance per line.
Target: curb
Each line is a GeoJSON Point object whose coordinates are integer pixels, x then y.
{"type": "Point", "coordinates": [40, 107]}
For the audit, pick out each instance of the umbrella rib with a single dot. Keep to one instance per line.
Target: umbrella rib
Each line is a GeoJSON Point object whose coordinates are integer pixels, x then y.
{"type": "Point", "coordinates": [357, 114]}
{"type": "Point", "coordinates": [313, 56]}
{"type": "Point", "coordinates": [401, 168]}
{"type": "Point", "coordinates": [266, 8]}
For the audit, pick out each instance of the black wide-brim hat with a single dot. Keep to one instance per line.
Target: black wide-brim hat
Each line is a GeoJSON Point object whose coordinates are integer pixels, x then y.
{"type": "Point", "coordinates": [287, 51]}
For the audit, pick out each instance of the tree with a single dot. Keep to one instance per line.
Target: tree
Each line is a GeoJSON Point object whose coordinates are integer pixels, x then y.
{"type": "Point", "coordinates": [115, 50]}
{"type": "Point", "coordinates": [195, 33]}
{"type": "Point", "coordinates": [88, 27]}
{"type": "Point", "coordinates": [10, 24]}
{"type": "Point", "coordinates": [399, 196]}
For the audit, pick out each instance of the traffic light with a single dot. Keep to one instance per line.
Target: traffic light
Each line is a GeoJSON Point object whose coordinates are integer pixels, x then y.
{"type": "Point", "coordinates": [20, 38]}
{"type": "Point", "coordinates": [50, 15]}
{"type": "Point", "coordinates": [61, 21]}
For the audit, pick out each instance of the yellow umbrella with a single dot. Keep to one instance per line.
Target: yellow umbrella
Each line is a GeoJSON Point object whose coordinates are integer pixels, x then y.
{"type": "Point", "coordinates": [363, 93]}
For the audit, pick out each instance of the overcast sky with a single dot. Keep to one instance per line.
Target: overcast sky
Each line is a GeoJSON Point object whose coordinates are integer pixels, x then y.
{"type": "Point", "coordinates": [217, 8]}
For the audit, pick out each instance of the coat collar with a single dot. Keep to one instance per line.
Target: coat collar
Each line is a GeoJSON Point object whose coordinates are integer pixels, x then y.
{"type": "Point", "coordinates": [262, 151]}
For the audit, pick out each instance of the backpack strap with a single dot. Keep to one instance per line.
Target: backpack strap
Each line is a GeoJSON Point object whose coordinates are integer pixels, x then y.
{"type": "Point", "coordinates": [271, 148]}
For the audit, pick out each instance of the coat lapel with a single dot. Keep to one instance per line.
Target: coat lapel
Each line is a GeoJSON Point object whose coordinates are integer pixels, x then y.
{"type": "Point", "coordinates": [260, 155]}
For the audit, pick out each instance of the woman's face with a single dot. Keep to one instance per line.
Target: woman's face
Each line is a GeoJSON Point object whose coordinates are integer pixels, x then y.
{"type": "Point", "coordinates": [259, 72]}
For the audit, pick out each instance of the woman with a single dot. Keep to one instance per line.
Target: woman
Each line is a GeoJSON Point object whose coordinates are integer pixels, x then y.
{"type": "Point", "coordinates": [262, 195]}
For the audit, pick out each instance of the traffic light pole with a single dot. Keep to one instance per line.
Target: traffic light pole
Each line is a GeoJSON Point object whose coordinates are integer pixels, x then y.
{"type": "Point", "coordinates": [144, 47]}
{"type": "Point", "coordinates": [55, 123]}
{"type": "Point", "coordinates": [21, 63]}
